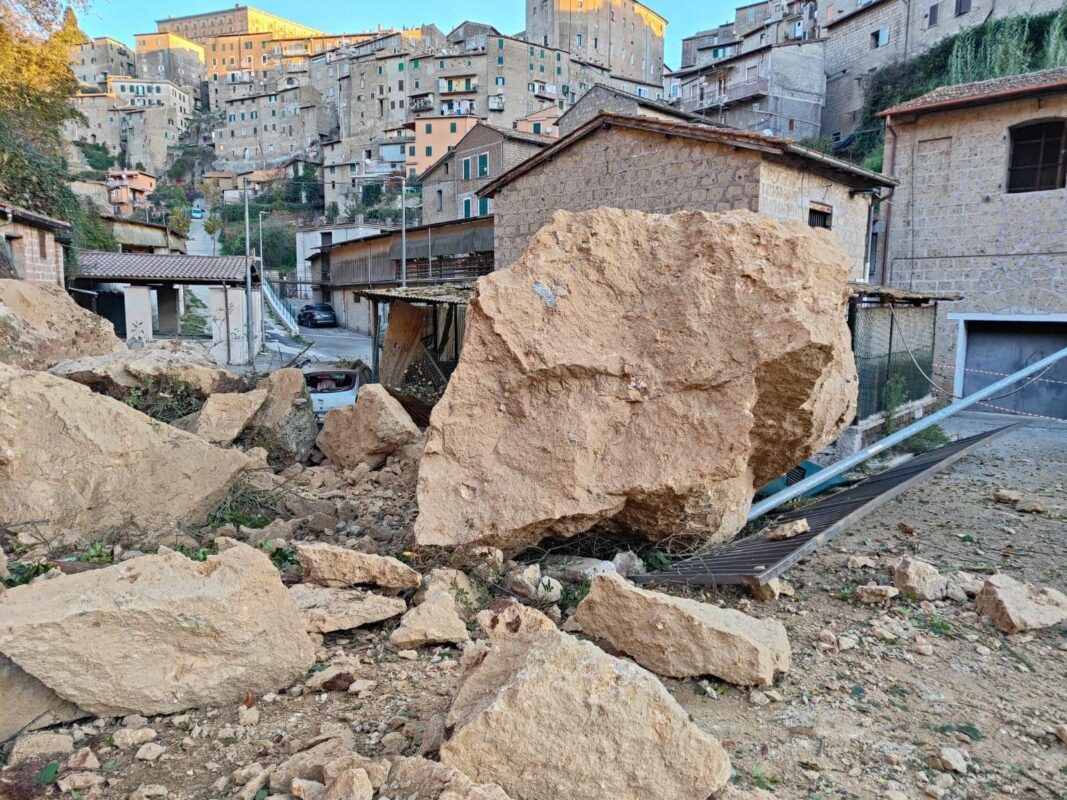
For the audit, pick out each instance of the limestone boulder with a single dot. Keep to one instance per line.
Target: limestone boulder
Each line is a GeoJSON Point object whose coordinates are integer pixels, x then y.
{"type": "Point", "coordinates": [224, 416]}
{"type": "Point", "coordinates": [681, 638]}
{"type": "Point", "coordinates": [40, 325]}
{"type": "Point", "coordinates": [284, 425]}
{"type": "Point", "coordinates": [367, 432]}
{"type": "Point", "coordinates": [421, 779]}
{"type": "Point", "coordinates": [1015, 607]}
{"type": "Point", "coordinates": [437, 620]}
{"type": "Point", "coordinates": [592, 364]}
{"type": "Point", "coordinates": [28, 703]}
{"type": "Point", "coordinates": [919, 580]}
{"type": "Point", "coordinates": [116, 374]}
{"type": "Point", "coordinates": [333, 742]}
{"type": "Point", "coordinates": [158, 634]}
{"type": "Point", "coordinates": [338, 567]}
{"type": "Point", "coordinates": [543, 714]}
{"type": "Point", "coordinates": [327, 610]}
{"type": "Point", "coordinates": [74, 464]}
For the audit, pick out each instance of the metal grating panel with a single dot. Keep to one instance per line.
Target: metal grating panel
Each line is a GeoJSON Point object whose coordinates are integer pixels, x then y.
{"type": "Point", "coordinates": [758, 559]}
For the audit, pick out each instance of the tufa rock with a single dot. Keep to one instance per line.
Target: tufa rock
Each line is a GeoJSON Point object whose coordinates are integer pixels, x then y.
{"type": "Point", "coordinates": [1007, 496]}
{"type": "Point", "coordinates": [436, 620]}
{"type": "Point", "coordinates": [29, 704]}
{"type": "Point", "coordinates": [333, 742]}
{"type": "Point", "coordinates": [1014, 607]}
{"type": "Point", "coordinates": [74, 464]}
{"type": "Point", "coordinates": [367, 432]}
{"type": "Point", "coordinates": [529, 583]}
{"type": "Point", "coordinates": [330, 565]}
{"type": "Point", "coordinates": [285, 424]}
{"type": "Point", "coordinates": [377, 770]}
{"type": "Point", "coordinates": [116, 374]}
{"type": "Point", "coordinates": [614, 729]}
{"type": "Point", "coordinates": [453, 581]}
{"type": "Point", "coordinates": [681, 638]}
{"type": "Point", "coordinates": [328, 610]}
{"type": "Point", "coordinates": [40, 325]}
{"type": "Point", "coordinates": [420, 779]}
{"type": "Point", "coordinates": [919, 580]}
{"type": "Point", "coordinates": [592, 364]}
{"type": "Point", "coordinates": [224, 416]}
{"type": "Point", "coordinates": [158, 634]}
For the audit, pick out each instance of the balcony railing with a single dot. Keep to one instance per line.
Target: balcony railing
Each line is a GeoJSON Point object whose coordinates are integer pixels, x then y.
{"type": "Point", "coordinates": [496, 102]}
{"type": "Point", "coordinates": [457, 87]}
{"type": "Point", "coordinates": [545, 92]}
{"type": "Point", "coordinates": [422, 104]}
{"type": "Point", "coordinates": [733, 93]}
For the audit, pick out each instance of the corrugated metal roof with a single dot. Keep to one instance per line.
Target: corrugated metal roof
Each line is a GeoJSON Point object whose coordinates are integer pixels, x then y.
{"type": "Point", "coordinates": [97, 265]}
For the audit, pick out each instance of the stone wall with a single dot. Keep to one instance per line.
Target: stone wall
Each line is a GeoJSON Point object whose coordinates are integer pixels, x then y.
{"type": "Point", "coordinates": [954, 229]}
{"type": "Point", "coordinates": [37, 256]}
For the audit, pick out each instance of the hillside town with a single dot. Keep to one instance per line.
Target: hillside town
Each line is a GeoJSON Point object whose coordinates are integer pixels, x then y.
{"type": "Point", "coordinates": [463, 413]}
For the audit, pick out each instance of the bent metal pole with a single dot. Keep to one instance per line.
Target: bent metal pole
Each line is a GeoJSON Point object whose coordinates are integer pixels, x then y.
{"type": "Point", "coordinates": [820, 477]}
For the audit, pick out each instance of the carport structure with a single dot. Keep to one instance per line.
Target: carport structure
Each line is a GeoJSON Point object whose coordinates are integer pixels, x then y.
{"type": "Point", "coordinates": [153, 288]}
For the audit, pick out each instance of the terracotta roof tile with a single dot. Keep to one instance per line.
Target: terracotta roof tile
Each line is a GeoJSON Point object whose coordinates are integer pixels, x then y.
{"type": "Point", "coordinates": [99, 265]}
{"type": "Point", "coordinates": [968, 93]}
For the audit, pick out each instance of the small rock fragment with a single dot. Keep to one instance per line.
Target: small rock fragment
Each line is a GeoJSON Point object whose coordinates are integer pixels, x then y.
{"type": "Point", "coordinates": [919, 580]}
{"type": "Point", "coordinates": [1014, 607]}
{"type": "Point", "coordinates": [40, 746]}
{"type": "Point", "coordinates": [872, 594]}
{"type": "Point", "coordinates": [436, 620]}
{"type": "Point", "coordinates": [788, 530]}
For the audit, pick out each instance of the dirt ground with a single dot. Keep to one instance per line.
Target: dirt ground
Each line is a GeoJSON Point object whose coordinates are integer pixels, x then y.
{"type": "Point", "coordinates": [854, 723]}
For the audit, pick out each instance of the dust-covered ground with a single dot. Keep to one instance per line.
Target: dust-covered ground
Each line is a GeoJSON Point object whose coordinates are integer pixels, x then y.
{"type": "Point", "coordinates": [872, 695]}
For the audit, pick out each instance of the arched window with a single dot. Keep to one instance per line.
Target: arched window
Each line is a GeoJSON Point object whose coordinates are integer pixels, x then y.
{"type": "Point", "coordinates": [1038, 156]}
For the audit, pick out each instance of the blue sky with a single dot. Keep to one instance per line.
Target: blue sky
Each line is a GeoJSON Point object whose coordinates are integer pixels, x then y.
{"type": "Point", "coordinates": [124, 18]}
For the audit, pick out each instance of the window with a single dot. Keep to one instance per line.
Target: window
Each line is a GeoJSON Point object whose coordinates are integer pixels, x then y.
{"type": "Point", "coordinates": [411, 150]}
{"type": "Point", "coordinates": [500, 59]}
{"type": "Point", "coordinates": [451, 127]}
{"type": "Point", "coordinates": [42, 244]}
{"type": "Point", "coordinates": [962, 7]}
{"type": "Point", "coordinates": [400, 67]}
{"type": "Point", "coordinates": [879, 38]}
{"type": "Point", "coordinates": [467, 210]}
{"type": "Point", "coordinates": [429, 151]}
{"type": "Point", "coordinates": [483, 165]}
{"type": "Point", "coordinates": [820, 216]}
{"type": "Point", "coordinates": [578, 39]}
{"type": "Point", "coordinates": [1038, 157]}
{"type": "Point", "coordinates": [932, 16]}
{"type": "Point", "coordinates": [537, 127]}
{"type": "Point", "coordinates": [483, 206]}
{"type": "Point", "coordinates": [429, 127]}
{"type": "Point", "coordinates": [466, 169]}
{"type": "Point", "coordinates": [500, 80]}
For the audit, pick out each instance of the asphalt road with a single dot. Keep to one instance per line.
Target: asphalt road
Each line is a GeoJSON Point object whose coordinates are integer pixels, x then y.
{"type": "Point", "coordinates": [323, 345]}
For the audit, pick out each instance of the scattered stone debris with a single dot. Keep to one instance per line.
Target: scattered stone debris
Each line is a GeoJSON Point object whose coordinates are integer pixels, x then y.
{"type": "Point", "coordinates": [873, 594]}
{"type": "Point", "coordinates": [284, 425]}
{"type": "Point", "coordinates": [1015, 607]}
{"type": "Point", "coordinates": [436, 620]}
{"type": "Point", "coordinates": [327, 610]}
{"type": "Point", "coordinates": [76, 464]}
{"type": "Point", "coordinates": [680, 638]}
{"type": "Point", "coordinates": [41, 325]}
{"type": "Point", "coordinates": [529, 583]}
{"type": "Point", "coordinates": [40, 746]}
{"type": "Point", "coordinates": [509, 456]}
{"type": "Point", "coordinates": [158, 634]}
{"type": "Point", "coordinates": [420, 779]}
{"type": "Point", "coordinates": [368, 432]}
{"type": "Point", "coordinates": [919, 580]}
{"type": "Point", "coordinates": [330, 565]}
{"type": "Point", "coordinates": [224, 416]}
{"type": "Point", "coordinates": [788, 530]}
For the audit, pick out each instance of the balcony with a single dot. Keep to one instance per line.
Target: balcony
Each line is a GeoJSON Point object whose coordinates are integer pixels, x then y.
{"type": "Point", "coordinates": [496, 102]}
{"type": "Point", "coordinates": [420, 104]}
{"type": "Point", "coordinates": [732, 93]}
{"type": "Point", "coordinates": [547, 92]}
{"type": "Point", "coordinates": [457, 86]}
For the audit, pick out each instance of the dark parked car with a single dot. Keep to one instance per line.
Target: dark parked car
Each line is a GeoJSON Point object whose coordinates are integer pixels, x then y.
{"type": "Point", "coordinates": [317, 315]}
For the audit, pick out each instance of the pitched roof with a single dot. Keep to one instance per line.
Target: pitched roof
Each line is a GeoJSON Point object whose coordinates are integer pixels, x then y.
{"type": "Point", "coordinates": [643, 102]}
{"type": "Point", "coordinates": [967, 94]}
{"type": "Point", "coordinates": [744, 140]}
{"type": "Point", "coordinates": [33, 218]}
{"type": "Point", "coordinates": [507, 133]}
{"type": "Point", "coordinates": [98, 265]}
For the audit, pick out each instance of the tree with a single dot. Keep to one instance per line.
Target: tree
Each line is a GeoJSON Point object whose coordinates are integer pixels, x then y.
{"type": "Point", "coordinates": [179, 220]}
{"type": "Point", "coordinates": [212, 227]}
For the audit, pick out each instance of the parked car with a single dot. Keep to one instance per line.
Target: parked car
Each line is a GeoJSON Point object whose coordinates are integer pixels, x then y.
{"type": "Point", "coordinates": [198, 213]}
{"type": "Point", "coordinates": [317, 315]}
{"type": "Point", "coordinates": [331, 388]}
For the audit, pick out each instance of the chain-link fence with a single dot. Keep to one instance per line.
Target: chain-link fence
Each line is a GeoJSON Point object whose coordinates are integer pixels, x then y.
{"type": "Point", "coordinates": [893, 346]}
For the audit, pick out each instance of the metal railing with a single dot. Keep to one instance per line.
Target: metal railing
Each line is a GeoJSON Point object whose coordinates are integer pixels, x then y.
{"type": "Point", "coordinates": [281, 307]}
{"type": "Point", "coordinates": [731, 93]}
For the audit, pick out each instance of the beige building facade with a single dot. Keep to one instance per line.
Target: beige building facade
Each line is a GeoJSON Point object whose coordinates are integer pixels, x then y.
{"type": "Point", "coordinates": [662, 167]}
{"type": "Point", "coordinates": [980, 214]}
{"type": "Point", "coordinates": [239, 19]}
{"type": "Point", "coordinates": [170, 57]}
{"type": "Point", "coordinates": [265, 126]}
{"type": "Point", "coordinates": [95, 60]}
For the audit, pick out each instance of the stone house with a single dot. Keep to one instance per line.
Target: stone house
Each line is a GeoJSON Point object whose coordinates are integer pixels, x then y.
{"type": "Point", "coordinates": [271, 125]}
{"type": "Point", "coordinates": [129, 189]}
{"type": "Point", "coordinates": [861, 37]}
{"type": "Point", "coordinates": [142, 93]}
{"type": "Point", "coordinates": [608, 98]}
{"type": "Point", "coordinates": [95, 60]}
{"type": "Point", "coordinates": [450, 186]}
{"type": "Point", "coordinates": [980, 213]}
{"type": "Point", "coordinates": [170, 57]}
{"type": "Point", "coordinates": [28, 246]}
{"type": "Point", "coordinates": [435, 136]}
{"type": "Point", "coordinates": [100, 122]}
{"type": "Point", "coordinates": [775, 88]}
{"type": "Point", "coordinates": [661, 166]}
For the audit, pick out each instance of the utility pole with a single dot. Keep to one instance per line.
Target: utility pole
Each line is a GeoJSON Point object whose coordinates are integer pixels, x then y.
{"type": "Point", "coordinates": [248, 280]}
{"type": "Point", "coordinates": [404, 231]}
{"type": "Point", "coordinates": [262, 253]}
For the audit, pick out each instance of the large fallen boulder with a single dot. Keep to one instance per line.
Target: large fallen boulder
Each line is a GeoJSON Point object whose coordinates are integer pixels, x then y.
{"type": "Point", "coordinates": [284, 424]}
{"type": "Point", "coordinates": [158, 364]}
{"type": "Point", "coordinates": [367, 432]}
{"type": "Point", "coordinates": [158, 634]}
{"type": "Point", "coordinates": [339, 567]}
{"type": "Point", "coordinates": [328, 610]}
{"type": "Point", "coordinates": [682, 638]}
{"type": "Point", "coordinates": [543, 714]}
{"type": "Point", "coordinates": [74, 464]}
{"type": "Point", "coordinates": [223, 416]}
{"type": "Point", "coordinates": [1015, 607]}
{"type": "Point", "coordinates": [421, 779]}
{"type": "Point", "coordinates": [28, 703]}
{"type": "Point", "coordinates": [593, 364]}
{"type": "Point", "coordinates": [40, 324]}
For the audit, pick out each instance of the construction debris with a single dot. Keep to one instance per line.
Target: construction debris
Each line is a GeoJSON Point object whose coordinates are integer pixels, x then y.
{"type": "Point", "coordinates": [330, 565]}
{"type": "Point", "coordinates": [788, 530]}
{"type": "Point", "coordinates": [590, 364]}
{"type": "Point", "coordinates": [158, 634]}
{"type": "Point", "coordinates": [76, 464]}
{"type": "Point", "coordinates": [617, 732]}
{"type": "Point", "coordinates": [41, 325]}
{"type": "Point", "coordinates": [368, 432]}
{"type": "Point", "coordinates": [179, 363]}
{"type": "Point", "coordinates": [1015, 607]}
{"type": "Point", "coordinates": [919, 580]}
{"type": "Point", "coordinates": [680, 638]}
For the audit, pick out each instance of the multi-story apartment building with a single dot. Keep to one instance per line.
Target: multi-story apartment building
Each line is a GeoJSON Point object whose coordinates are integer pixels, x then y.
{"type": "Point", "coordinates": [144, 93]}
{"type": "Point", "coordinates": [451, 184]}
{"type": "Point", "coordinates": [239, 19]}
{"type": "Point", "coordinates": [624, 36]}
{"type": "Point", "coordinates": [864, 36]}
{"type": "Point", "coordinates": [99, 123]}
{"type": "Point", "coordinates": [147, 134]}
{"type": "Point", "coordinates": [349, 164]}
{"type": "Point", "coordinates": [170, 57]}
{"type": "Point", "coordinates": [95, 60]}
{"type": "Point", "coordinates": [706, 47]}
{"type": "Point", "coordinates": [773, 89]}
{"type": "Point", "coordinates": [435, 136]}
{"type": "Point", "coordinates": [264, 126]}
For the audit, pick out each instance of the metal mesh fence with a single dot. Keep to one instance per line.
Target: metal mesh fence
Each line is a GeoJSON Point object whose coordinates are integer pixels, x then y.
{"type": "Point", "coordinates": [882, 336]}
